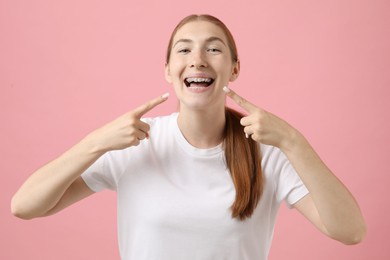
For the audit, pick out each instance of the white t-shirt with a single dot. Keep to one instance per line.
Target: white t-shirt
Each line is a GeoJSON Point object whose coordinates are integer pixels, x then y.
{"type": "Point", "coordinates": [174, 199]}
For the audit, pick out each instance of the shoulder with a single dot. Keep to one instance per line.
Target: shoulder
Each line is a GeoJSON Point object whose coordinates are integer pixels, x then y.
{"type": "Point", "coordinates": [160, 120]}
{"type": "Point", "coordinates": [271, 153]}
{"type": "Point", "coordinates": [158, 127]}
{"type": "Point", "coordinates": [274, 162]}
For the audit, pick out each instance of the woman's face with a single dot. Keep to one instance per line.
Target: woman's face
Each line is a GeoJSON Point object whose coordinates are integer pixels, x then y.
{"type": "Point", "coordinates": [200, 65]}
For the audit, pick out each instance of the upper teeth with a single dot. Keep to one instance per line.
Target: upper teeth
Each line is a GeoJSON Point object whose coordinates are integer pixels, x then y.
{"type": "Point", "coordinates": [190, 80]}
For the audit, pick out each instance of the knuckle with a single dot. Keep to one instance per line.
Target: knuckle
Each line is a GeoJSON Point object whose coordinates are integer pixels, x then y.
{"type": "Point", "coordinates": [134, 140]}
{"type": "Point", "coordinates": [256, 138]}
{"type": "Point", "coordinates": [147, 107]}
{"type": "Point", "coordinates": [258, 112]}
{"type": "Point", "coordinates": [142, 136]}
{"type": "Point", "coordinates": [241, 101]}
{"type": "Point", "coordinates": [257, 127]}
{"type": "Point", "coordinates": [130, 115]}
{"type": "Point", "coordinates": [132, 121]}
{"type": "Point", "coordinates": [261, 117]}
{"type": "Point", "coordinates": [145, 127]}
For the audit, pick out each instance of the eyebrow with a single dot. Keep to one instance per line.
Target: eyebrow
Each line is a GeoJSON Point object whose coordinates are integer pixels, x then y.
{"type": "Point", "coordinates": [210, 39]}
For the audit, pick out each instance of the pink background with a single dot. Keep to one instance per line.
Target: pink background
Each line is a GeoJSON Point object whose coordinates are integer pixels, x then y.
{"type": "Point", "coordinates": [67, 67]}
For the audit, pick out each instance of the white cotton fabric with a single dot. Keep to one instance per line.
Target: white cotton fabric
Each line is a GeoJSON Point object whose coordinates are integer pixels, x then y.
{"type": "Point", "coordinates": [174, 199]}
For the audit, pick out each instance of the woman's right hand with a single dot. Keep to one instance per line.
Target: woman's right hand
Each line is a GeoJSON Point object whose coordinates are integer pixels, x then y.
{"type": "Point", "coordinates": [58, 184]}
{"type": "Point", "coordinates": [127, 130]}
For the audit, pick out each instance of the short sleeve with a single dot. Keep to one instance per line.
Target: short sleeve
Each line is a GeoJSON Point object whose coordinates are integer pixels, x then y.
{"type": "Point", "coordinates": [288, 185]}
{"type": "Point", "coordinates": [107, 171]}
{"type": "Point", "coordinates": [102, 174]}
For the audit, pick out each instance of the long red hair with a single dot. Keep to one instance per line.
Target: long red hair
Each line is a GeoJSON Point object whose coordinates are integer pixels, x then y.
{"type": "Point", "coordinates": [242, 154]}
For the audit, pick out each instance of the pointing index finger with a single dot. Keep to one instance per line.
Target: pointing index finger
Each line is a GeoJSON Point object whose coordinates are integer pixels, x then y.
{"type": "Point", "coordinates": [242, 102]}
{"type": "Point", "coordinates": [143, 109]}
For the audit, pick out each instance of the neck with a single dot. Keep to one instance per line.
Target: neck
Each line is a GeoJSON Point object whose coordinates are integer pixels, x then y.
{"type": "Point", "coordinates": [202, 129]}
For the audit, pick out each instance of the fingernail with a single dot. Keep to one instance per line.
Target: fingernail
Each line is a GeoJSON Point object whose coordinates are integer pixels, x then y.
{"type": "Point", "coordinates": [226, 89]}
{"type": "Point", "coordinates": [246, 135]}
{"type": "Point", "coordinates": [166, 95]}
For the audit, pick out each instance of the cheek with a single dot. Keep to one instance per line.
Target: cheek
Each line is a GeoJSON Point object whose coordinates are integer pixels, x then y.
{"type": "Point", "coordinates": [225, 73]}
{"type": "Point", "coordinates": [223, 66]}
{"type": "Point", "coordinates": [176, 69]}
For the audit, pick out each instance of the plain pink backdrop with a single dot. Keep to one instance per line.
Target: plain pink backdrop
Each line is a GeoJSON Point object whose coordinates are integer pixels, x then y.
{"type": "Point", "coordinates": [67, 67]}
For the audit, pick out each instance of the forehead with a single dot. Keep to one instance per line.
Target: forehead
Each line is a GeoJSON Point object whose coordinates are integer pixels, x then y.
{"type": "Point", "coordinates": [198, 30]}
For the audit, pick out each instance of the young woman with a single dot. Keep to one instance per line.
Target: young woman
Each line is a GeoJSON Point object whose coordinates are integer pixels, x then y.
{"type": "Point", "coordinates": [203, 183]}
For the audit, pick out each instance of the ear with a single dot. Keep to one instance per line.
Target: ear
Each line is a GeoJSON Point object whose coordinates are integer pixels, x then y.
{"type": "Point", "coordinates": [168, 74]}
{"type": "Point", "coordinates": [235, 71]}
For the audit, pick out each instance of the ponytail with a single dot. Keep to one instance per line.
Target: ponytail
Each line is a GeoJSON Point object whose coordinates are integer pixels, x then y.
{"type": "Point", "coordinates": [243, 160]}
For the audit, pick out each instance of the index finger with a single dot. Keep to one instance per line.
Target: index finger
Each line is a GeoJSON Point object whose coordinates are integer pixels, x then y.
{"type": "Point", "coordinates": [242, 102]}
{"type": "Point", "coordinates": [143, 109]}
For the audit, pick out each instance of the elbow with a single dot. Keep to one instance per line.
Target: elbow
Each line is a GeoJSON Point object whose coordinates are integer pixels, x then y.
{"type": "Point", "coordinates": [20, 214]}
{"type": "Point", "coordinates": [356, 238]}
{"type": "Point", "coordinates": [352, 240]}
{"type": "Point", "coordinates": [353, 237]}
{"type": "Point", "coordinates": [19, 211]}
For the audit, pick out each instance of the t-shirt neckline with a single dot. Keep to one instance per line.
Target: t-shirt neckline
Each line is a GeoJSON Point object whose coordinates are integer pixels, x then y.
{"type": "Point", "coordinates": [189, 148]}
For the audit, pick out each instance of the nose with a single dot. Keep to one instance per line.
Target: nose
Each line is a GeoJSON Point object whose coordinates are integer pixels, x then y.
{"type": "Point", "coordinates": [198, 60]}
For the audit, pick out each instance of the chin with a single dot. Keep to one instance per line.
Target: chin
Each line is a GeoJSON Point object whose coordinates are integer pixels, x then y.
{"type": "Point", "coordinates": [199, 104]}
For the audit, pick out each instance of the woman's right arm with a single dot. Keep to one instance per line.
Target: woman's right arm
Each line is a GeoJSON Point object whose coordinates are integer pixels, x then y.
{"type": "Point", "coordinates": [44, 188]}
{"type": "Point", "coordinates": [58, 184]}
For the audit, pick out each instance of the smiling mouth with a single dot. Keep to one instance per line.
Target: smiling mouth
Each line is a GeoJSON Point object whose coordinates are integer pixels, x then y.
{"type": "Point", "coordinates": [198, 82]}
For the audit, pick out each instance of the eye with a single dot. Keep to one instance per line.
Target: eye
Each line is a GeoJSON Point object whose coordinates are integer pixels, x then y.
{"type": "Point", "coordinates": [184, 50]}
{"type": "Point", "coordinates": [213, 50]}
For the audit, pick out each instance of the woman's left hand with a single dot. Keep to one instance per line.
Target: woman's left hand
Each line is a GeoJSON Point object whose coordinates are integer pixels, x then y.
{"type": "Point", "coordinates": [262, 126]}
{"type": "Point", "coordinates": [329, 206]}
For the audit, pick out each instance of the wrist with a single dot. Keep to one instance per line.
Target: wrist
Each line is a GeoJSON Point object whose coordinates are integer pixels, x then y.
{"type": "Point", "coordinates": [293, 141]}
{"type": "Point", "coordinates": [93, 146]}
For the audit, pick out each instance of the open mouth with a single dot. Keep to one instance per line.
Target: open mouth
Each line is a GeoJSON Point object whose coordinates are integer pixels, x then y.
{"type": "Point", "coordinates": [198, 82]}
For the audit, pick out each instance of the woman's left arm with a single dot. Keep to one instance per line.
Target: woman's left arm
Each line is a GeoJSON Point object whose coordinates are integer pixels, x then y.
{"type": "Point", "coordinates": [329, 205]}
